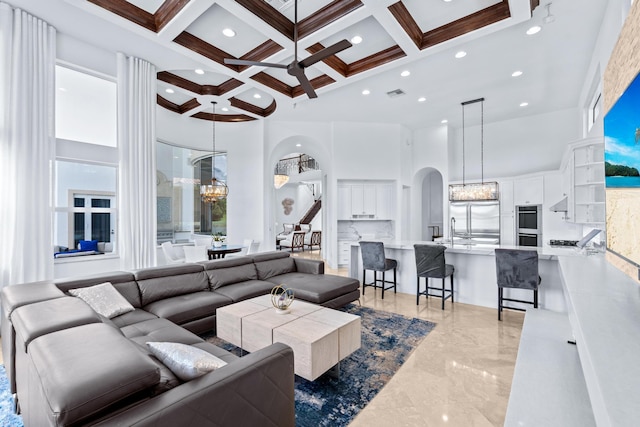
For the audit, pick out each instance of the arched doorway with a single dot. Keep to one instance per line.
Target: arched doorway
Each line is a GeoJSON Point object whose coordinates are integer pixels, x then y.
{"type": "Point", "coordinates": [432, 205]}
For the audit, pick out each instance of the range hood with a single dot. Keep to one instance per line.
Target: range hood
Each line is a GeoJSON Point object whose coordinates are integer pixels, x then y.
{"type": "Point", "coordinates": [561, 206]}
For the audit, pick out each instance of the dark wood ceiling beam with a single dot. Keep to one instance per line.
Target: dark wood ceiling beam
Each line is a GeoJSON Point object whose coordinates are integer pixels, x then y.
{"type": "Point", "coordinates": [273, 83]}
{"type": "Point", "coordinates": [375, 60]}
{"type": "Point", "coordinates": [128, 11]}
{"type": "Point", "coordinates": [475, 21]}
{"type": "Point", "coordinates": [268, 14]}
{"type": "Point", "coordinates": [167, 12]}
{"type": "Point", "coordinates": [180, 109]}
{"type": "Point", "coordinates": [205, 49]}
{"type": "Point", "coordinates": [264, 51]}
{"type": "Point", "coordinates": [193, 87]}
{"type": "Point", "coordinates": [534, 4]}
{"type": "Point", "coordinates": [226, 118]}
{"type": "Point", "coordinates": [406, 21]}
{"type": "Point", "coordinates": [189, 105]}
{"type": "Point", "coordinates": [333, 61]}
{"type": "Point", "coordinates": [317, 83]}
{"type": "Point", "coordinates": [254, 109]}
{"type": "Point", "coordinates": [331, 12]}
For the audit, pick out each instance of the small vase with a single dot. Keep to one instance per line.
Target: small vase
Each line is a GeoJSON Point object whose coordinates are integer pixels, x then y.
{"type": "Point", "coordinates": [217, 243]}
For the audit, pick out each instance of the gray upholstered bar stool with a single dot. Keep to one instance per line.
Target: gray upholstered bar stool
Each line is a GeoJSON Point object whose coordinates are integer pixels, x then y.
{"type": "Point", "coordinates": [517, 268]}
{"type": "Point", "coordinates": [430, 263]}
{"type": "Point", "coordinates": [373, 258]}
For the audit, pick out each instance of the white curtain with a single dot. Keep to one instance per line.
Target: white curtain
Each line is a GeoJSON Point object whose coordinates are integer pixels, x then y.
{"type": "Point", "coordinates": [137, 149]}
{"type": "Point", "coordinates": [27, 146]}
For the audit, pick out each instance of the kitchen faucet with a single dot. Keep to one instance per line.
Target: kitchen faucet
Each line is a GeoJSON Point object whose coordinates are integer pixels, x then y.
{"type": "Point", "coordinates": [452, 229]}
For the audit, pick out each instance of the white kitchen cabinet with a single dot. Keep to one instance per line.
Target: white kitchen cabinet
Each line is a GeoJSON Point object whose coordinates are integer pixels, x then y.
{"type": "Point", "coordinates": [384, 201]}
{"type": "Point", "coordinates": [363, 201]}
{"type": "Point", "coordinates": [344, 202]}
{"type": "Point", "coordinates": [506, 197]}
{"type": "Point", "coordinates": [370, 200]}
{"type": "Point", "coordinates": [528, 191]}
{"type": "Point", "coordinates": [344, 252]}
{"type": "Point", "coordinates": [507, 229]}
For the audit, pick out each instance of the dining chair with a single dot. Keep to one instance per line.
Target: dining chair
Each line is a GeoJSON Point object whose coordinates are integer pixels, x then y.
{"type": "Point", "coordinates": [373, 258]}
{"type": "Point", "coordinates": [195, 253]}
{"type": "Point", "coordinates": [294, 241]}
{"type": "Point", "coordinates": [517, 269]}
{"type": "Point", "coordinates": [430, 264]}
{"type": "Point", "coordinates": [170, 255]}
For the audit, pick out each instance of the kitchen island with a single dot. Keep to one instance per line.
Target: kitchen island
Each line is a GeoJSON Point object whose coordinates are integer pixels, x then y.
{"type": "Point", "coordinates": [475, 272]}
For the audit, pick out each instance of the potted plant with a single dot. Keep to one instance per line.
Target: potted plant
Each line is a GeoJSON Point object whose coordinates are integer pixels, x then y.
{"type": "Point", "coordinates": [218, 240]}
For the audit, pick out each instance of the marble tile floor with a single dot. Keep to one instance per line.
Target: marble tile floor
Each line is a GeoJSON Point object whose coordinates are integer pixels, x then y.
{"type": "Point", "coordinates": [460, 375]}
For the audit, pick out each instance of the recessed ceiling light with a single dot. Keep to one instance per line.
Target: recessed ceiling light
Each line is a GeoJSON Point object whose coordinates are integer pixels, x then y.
{"type": "Point", "coordinates": [228, 32]}
{"type": "Point", "coordinates": [199, 71]}
{"type": "Point", "coordinates": [169, 90]}
{"type": "Point", "coordinates": [405, 73]}
{"type": "Point", "coordinates": [446, 1]}
{"type": "Point", "coordinates": [422, 99]}
{"type": "Point", "coordinates": [257, 96]}
{"type": "Point", "coordinates": [533, 30]}
{"type": "Point", "coordinates": [366, 92]}
{"type": "Point", "coordinates": [517, 73]}
{"type": "Point", "coordinates": [524, 104]}
{"type": "Point", "coordinates": [356, 39]}
{"type": "Point", "coordinates": [461, 54]}
{"type": "Point", "coordinates": [225, 109]}
{"type": "Point", "coordinates": [298, 145]}
{"type": "Point", "coordinates": [444, 121]}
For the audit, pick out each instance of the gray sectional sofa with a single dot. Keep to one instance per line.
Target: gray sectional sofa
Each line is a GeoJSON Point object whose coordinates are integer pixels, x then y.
{"type": "Point", "coordinates": [71, 366]}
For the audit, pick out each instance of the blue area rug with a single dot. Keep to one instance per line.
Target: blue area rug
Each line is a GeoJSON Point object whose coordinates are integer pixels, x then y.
{"type": "Point", "coordinates": [7, 417]}
{"type": "Point", "coordinates": [387, 340]}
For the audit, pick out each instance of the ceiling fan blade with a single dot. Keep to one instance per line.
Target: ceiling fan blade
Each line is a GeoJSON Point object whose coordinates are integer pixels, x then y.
{"type": "Point", "coordinates": [230, 61]}
{"type": "Point", "coordinates": [306, 84]}
{"type": "Point", "coordinates": [325, 53]}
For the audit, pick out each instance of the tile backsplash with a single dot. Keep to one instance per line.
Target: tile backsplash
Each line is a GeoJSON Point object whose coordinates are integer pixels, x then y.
{"type": "Point", "coordinates": [364, 230]}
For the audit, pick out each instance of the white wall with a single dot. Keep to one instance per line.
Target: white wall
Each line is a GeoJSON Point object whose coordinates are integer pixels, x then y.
{"type": "Point", "coordinates": [515, 147]}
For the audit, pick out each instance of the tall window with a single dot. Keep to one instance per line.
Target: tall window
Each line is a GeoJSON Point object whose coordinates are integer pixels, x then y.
{"type": "Point", "coordinates": [181, 212]}
{"type": "Point", "coordinates": [86, 166]}
{"type": "Point", "coordinates": [85, 203]}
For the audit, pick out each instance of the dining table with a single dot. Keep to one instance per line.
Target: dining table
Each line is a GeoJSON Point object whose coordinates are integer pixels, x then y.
{"type": "Point", "coordinates": [220, 251]}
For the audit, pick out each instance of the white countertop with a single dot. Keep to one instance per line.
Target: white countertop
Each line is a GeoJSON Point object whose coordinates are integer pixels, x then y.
{"type": "Point", "coordinates": [544, 252]}
{"type": "Point", "coordinates": [604, 311]}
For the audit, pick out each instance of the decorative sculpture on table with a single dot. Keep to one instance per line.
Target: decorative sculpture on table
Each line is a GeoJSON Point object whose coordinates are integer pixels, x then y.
{"type": "Point", "coordinates": [281, 298]}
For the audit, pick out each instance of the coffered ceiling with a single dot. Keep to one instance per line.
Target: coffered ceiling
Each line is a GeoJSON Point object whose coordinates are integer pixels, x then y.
{"type": "Point", "coordinates": [264, 31]}
{"type": "Point", "coordinates": [418, 36]}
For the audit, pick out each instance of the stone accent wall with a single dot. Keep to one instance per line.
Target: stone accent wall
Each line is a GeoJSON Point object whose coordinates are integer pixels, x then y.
{"type": "Point", "coordinates": [624, 63]}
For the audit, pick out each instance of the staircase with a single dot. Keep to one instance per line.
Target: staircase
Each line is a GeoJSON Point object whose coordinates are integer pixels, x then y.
{"type": "Point", "coordinates": [312, 212]}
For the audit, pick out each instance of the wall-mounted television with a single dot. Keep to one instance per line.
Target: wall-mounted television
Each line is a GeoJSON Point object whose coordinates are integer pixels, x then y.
{"type": "Point", "coordinates": [622, 174]}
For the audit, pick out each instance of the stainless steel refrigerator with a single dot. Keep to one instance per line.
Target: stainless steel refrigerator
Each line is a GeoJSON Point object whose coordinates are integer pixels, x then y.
{"type": "Point", "coordinates": [475, 222]}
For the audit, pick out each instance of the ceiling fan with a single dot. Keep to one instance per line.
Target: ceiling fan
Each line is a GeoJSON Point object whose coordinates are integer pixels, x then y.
{"type": "Point", "coordinates": [296, 68]}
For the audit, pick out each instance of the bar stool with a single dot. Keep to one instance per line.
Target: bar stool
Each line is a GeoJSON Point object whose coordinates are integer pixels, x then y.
{"type": "Point", "coordinates": [517, 268]}
{"type": "Point", "coordinates": [373, 258]}
{"type": "Point", "coordinates": [430, 263]}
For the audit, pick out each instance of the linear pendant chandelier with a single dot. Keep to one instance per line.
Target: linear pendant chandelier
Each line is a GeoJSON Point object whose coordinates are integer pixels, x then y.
{"type": "Point", "coordinates": [217, 190]}
{"type": "Point", "coordinates": [479, 190]}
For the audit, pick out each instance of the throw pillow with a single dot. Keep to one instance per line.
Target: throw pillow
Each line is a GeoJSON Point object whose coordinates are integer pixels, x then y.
{"type": "Point", "coordinates": [185, 361]}
{"type": "Point", "coordinates": [104, 299]}
{"type": "Point", "coordinates": [88, 245]}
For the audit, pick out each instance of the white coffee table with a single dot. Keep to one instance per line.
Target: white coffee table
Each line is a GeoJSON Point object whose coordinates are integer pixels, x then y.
{"type": "Point", "coordinates": [320, 337]}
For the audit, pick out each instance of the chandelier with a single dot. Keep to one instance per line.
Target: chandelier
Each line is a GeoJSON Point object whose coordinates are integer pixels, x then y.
{"type": "Point", "coordinates": [279, 180]}
{"type": "Point", "coordinates": [475, 191]}
{"type": "Point", "coordinates": [217, 190]}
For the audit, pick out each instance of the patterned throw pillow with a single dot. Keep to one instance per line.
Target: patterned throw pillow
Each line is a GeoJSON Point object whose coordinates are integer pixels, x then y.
{"type": "Point", "coordinates": [185, 361]}
{"type": "Point", "coordinates": [104, 299]}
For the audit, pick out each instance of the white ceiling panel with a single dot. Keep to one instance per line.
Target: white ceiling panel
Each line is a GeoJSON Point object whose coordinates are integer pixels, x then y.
{"type": "Point", "coordinates": [209, 26]}
{"type": "Point", "coordinates": [150, 6]}
{"type": "Point", "coordinates": [430, 14]}
{"type": "Point", "coordinates": [250, 96]}
{"type": "Point", "coordinates": [208, 78]}
{"type": "Point", "coordinates": [374, 39]}
{"type": "Point", "coordinates": [305, 7]}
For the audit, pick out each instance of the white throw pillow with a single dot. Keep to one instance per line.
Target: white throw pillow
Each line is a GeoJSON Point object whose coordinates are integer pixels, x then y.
{"type": "Point", "coordinates": [185, 361]}
{"type": "Point", "coordinates": [104, 299]}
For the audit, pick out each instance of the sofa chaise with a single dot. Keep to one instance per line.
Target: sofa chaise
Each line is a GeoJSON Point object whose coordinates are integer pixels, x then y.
{"type": "Point", "coordinates": [71, 366]}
